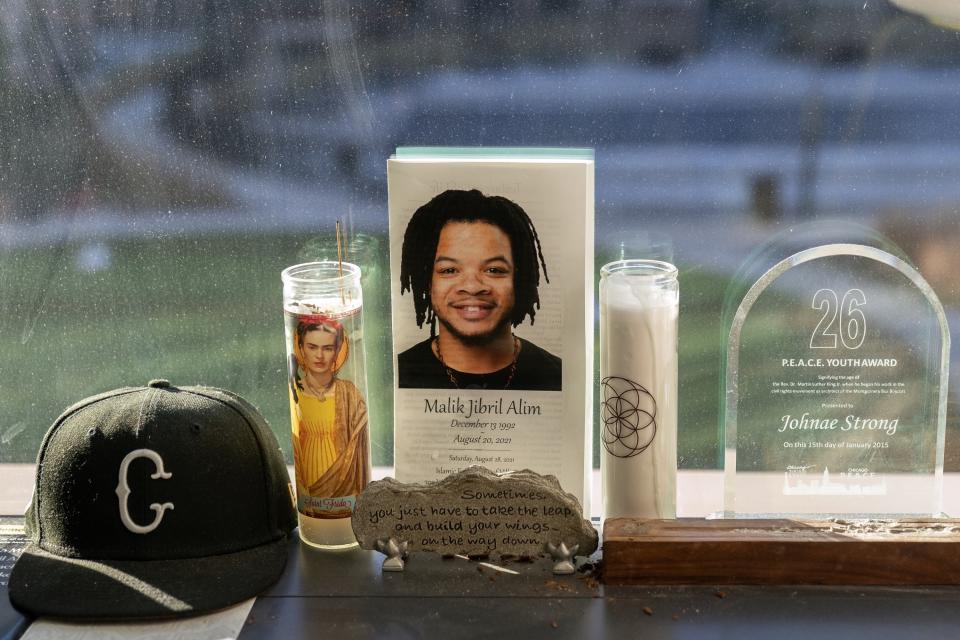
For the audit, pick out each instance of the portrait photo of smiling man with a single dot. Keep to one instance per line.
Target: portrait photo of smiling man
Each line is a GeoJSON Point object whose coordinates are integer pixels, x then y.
{"type": "Point", "coordinates": [472, 264]}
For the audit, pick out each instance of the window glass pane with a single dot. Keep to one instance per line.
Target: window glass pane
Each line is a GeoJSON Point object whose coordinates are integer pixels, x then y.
{"type": "Point", "coordinates": [162, 160]}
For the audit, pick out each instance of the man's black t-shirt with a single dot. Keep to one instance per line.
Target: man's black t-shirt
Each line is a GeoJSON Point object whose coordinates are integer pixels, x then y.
{"type": "Point", "coordinates": [537, 370]}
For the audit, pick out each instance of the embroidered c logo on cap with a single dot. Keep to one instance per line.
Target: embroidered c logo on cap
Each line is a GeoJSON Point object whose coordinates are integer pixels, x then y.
{"type": "Point", "coordinates": [123, 490]}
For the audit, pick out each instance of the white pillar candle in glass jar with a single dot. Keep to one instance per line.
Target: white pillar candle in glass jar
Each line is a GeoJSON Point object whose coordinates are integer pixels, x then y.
{"type": "Point", "coordinates": [639, 304]}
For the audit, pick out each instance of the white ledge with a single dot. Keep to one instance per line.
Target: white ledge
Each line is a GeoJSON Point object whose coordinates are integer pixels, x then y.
{"type": "Point", "coordinates": [699, 492]}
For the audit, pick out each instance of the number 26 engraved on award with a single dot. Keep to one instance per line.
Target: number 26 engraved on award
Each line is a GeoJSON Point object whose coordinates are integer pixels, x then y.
{"type": "Point", "coordinates": [844, 315]}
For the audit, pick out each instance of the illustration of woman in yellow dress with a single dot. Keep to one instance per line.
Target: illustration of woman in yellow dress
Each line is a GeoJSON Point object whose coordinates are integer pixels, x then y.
{"type": "Point", "coordinates": [331, 442]}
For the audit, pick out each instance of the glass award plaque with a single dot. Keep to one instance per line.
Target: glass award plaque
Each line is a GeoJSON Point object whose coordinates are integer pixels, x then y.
{"type": "Point", "coordinates": [835, 389]}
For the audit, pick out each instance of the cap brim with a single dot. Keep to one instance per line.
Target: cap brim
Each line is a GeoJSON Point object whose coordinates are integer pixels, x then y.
{"type": "Point", "coordinates": [45, 584]}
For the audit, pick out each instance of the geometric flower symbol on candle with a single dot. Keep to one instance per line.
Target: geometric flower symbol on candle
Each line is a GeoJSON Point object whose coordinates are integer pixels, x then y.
{"type": "Point", "coordinates": [629, 414]}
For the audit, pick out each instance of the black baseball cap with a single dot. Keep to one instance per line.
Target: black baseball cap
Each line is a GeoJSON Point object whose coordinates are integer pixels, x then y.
{"type": "Point", "coordinates": [154, 502]}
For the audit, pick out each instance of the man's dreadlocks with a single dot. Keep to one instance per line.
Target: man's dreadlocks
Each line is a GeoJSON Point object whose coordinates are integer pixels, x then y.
{"type": "Point", "coordinates": [423, 234]}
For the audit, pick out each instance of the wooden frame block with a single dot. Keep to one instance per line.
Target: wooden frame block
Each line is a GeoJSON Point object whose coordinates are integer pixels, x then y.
{"type": "Point", "coordinates": [911, 551]}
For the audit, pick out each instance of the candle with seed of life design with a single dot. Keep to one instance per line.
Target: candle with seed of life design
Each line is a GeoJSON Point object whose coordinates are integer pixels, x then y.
{"type": "Point", "coordinates": [639, 303]}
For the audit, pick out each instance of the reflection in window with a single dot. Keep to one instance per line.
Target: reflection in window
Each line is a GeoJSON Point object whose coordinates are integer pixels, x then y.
{"type": "Point", "coordinates": [161, 161]}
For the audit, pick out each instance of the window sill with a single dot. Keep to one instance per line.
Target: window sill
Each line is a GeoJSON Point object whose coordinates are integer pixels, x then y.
{"type": "Point", "coordinates": [699, 492]}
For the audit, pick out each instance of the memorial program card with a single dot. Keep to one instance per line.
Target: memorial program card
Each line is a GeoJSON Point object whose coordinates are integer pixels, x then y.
{"type": "Point", "coordinates": [492, 297]}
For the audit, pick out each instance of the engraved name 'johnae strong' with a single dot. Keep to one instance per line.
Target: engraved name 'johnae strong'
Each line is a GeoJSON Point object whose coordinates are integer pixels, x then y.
{"type": "Point", "coordinates": [806, 422]}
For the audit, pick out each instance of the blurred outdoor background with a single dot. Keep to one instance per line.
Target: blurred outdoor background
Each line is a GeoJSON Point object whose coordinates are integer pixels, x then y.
{"type": "Point", "coordinates": [162, 160]}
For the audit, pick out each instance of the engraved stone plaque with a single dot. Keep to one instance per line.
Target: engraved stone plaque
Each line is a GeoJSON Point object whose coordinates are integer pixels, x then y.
{"type": "Point", "coordinates": [474, 512]}
{"type": "Point", "coordinates": [836, 385]}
